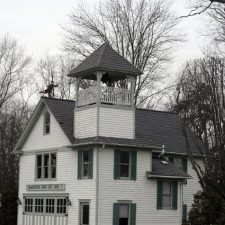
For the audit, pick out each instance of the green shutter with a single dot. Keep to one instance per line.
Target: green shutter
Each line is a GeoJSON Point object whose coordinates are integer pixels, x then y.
{"type": "Point", "coordinates": [174, 194]}
{"type": "Point", "coordinates": [116, 164]}
{"type": "Point", "coordinates": [184, 213]}
{"type": "Point", "coordinates": [116, 208]}
{"type": "Point", "coordinates": [159, 194]}
{"type": "Point", "coordinates": [171, 159]}
{"type": "Point", "coordinates": [132, 214]}
{"type": "Point", "coordinates": [79, 164]}
{"type": "Point", "coordinates": [133, 165]}
{"type": "Point", "coordinates": [90, 163]}
{"type": "Point", "coordinates": [184, 164]}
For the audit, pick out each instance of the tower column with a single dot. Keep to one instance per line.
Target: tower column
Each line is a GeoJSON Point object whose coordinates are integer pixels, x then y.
{"type": "Point", "coordinates": [132, 86]}
{"type": "Point", "coordinates": [99, 76]}
{"type": "Point", "coordinates": [77, 90]}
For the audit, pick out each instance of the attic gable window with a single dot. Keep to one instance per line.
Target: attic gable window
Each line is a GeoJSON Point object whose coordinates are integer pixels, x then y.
{"type": "Point", "coordinates": [46, 122]}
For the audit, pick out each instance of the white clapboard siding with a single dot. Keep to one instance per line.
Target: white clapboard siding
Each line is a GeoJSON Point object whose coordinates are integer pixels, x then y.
{"type": "Point", "coordinates": [38, 140]}
{"type": "Point", "coordinates": [118, 123]}
{"type": "Point", "coordinates": [85, 123]}
{"type": "Point", "coordinates": [143, 192]}
{"type": "Point", "coordinates": [66, 174]}
{"type": "Point", "coordinates": [192, 186]}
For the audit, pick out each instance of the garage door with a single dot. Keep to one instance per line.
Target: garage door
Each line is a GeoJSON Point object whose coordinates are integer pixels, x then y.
{"type": "Point", "coordinates": [45, 210]}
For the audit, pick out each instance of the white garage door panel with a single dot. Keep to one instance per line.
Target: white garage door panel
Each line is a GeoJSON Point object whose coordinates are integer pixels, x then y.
{"type": "Point", "coordinates": [51, 210]}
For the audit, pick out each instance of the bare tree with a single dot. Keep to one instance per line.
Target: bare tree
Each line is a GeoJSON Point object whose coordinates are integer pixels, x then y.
{"type": "Point", "coordinates": [201, 97]}
{"type": "Point", "coordinates": [144, 32]}
{"type": "Point", "coordinates": [13, 63]}
{"type": "Point", "coordinates": [198, 7]}
{"type": "Point", "coordinates": [12, 123]}
{"type": "Point", "coordinates": [55, 68]}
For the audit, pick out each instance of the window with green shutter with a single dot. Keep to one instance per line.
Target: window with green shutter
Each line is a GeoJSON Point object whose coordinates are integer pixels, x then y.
{"type": "Point", "coordinates": [159, 194]}
{"type": "Point", "coordinates": [166, 194]}
{"type": "Point", "coordinates": [133, 165]}
{"type": "Point", "coordinates": [124, 214]}
{"type": "Point", "coordinates": [85, 164]}
{"type": "Point", "coordinates": [125, 164]}
{"type": "Point", "coordinates": [174, 194]}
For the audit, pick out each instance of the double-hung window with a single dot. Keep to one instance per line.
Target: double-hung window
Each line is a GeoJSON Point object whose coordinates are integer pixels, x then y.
{"type": "Point", "coordinates": [85, 164]}
{"type": "Point", "coordinates": [167, 194]}
{"type": "Point", "coordinates": [84, 213]}
{"type": "Point", "coordinates": [124, 214]}
{"type": "Point", "coordinates": [46, 166]}
{"type": "Point", "coordinates": [125, 164]}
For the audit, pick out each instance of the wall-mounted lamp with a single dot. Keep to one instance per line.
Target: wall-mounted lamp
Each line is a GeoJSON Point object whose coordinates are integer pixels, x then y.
{"type": "Point", "coordinates": [68, 202]}
{"type": "Point", "coordinates": [18, 201]}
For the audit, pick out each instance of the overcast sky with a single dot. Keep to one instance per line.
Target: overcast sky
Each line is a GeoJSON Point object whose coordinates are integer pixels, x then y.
{"type": "Point", "coordinates": [36, 24]}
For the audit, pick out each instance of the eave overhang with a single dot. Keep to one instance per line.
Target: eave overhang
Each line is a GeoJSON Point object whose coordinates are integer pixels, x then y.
{"type": "Point", "coordinates": [150, 176]}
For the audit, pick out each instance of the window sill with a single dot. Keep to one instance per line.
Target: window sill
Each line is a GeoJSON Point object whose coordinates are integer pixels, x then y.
{"type": "Point", "coordinates": [85, 178]}
{"type": "Point", "coordinates": [46, 179]}
{"type": "Point", "coordinates": [125, 179]}
{"type": "Point", "coordinates": [167, 209]}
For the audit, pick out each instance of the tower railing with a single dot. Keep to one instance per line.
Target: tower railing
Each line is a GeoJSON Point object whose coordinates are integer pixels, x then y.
{"type": "Point", "coordinates": [108, 95]}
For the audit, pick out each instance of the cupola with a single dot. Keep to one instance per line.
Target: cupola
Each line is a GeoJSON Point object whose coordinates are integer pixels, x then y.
{"type": "Point", "coordinates": [105, 83]}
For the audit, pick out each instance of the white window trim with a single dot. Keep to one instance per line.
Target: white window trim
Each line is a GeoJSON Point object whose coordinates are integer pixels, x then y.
{"type": "Point", "coordinates": [42, 167]}
{"type": "Point", "coordinates": [81, 203]}
{"type": "Point", "coordinates": [44, 197]}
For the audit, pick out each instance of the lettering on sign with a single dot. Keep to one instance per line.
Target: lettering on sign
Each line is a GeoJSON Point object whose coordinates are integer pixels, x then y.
{"type": "Point", "coordinates": [46, 187]}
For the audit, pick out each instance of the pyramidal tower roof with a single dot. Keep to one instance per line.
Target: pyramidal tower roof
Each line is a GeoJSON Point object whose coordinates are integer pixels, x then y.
{"type": "Point", "coordinates": [104, 59]}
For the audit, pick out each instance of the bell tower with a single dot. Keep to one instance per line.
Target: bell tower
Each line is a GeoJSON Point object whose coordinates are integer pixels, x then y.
{"type": "Point", "coordinates": [105, 83]}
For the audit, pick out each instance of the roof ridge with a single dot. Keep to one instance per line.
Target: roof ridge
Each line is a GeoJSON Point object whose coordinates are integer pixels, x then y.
{"type": "Point", "coordinates": [57, 99]}
{"type": "Point", "coordinates": [161, 111]}
{"type": "Point", "coordinates": [103, 51]}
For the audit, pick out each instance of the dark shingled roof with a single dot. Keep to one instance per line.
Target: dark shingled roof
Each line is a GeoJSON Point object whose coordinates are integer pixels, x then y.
{"type": "Point", "coordinates": [63, 110]}
{"type": "Point", "coordinates": [104, 59]}
{"type": "Point", "coordinates": [166, 170]}
{"type": "Point", "coordinates": [153, 129]}
{"type": "Point", "coordinates": [165, 128]}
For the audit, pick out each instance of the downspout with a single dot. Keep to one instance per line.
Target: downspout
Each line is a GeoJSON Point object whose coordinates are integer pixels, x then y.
{"type": "Point", "coordinates": [181, 201]}
{"type": "Point", "coordinates": [97, 184]}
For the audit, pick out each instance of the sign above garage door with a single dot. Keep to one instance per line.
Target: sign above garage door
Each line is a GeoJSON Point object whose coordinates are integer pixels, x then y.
{"type": "Point", "coordinates": [46, 187]}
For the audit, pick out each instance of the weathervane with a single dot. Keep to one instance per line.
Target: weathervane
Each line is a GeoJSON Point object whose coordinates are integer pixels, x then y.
{"type": "Point", "coordinates": [49, 90]}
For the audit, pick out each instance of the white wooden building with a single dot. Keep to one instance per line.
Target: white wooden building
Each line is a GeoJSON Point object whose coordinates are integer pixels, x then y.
{"type": "Point", "coordinates": [97, 160]}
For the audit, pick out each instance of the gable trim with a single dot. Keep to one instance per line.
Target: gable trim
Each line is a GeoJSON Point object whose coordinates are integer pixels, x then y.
{"type": "Point", "coordinates": [35, 115]}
